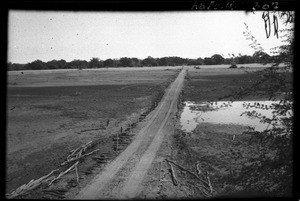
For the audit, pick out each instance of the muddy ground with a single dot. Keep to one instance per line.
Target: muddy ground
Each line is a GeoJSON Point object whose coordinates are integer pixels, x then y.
{"type": "Point", "coordinates": [51, 113]}
{"type": "Point", "coordinates": [221, 150]}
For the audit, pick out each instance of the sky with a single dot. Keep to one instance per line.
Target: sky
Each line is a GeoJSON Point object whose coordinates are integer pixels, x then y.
{"type": "Point", "coordinates": [69, 35]}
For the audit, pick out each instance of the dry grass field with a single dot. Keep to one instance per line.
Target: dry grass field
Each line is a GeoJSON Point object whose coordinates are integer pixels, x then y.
{"type": "Point", "coordinates": [73, 77]}
{"type": "Point", "coordinates": [50, 113]}
{"type": "Point", "coordinates": [206, 84]}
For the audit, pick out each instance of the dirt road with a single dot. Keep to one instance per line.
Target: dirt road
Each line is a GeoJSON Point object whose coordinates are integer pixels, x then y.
{"type": "Point", "coordinates": [122, 178]}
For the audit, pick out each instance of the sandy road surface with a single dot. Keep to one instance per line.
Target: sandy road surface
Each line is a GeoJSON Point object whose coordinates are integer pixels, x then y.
{"type": "Point", "coordinates": [122, 177]}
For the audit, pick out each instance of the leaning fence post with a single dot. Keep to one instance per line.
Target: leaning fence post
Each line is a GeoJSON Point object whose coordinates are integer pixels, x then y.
{"type": "Point", "coordinates": [118, 141]}
{"type": "Point", "coordinates": [129, 127]}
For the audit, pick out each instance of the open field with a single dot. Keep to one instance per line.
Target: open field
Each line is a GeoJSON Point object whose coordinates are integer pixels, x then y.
{"type": "Point", "coordinates": [73, 77]}
{"type": "Point", "coordinates": [251, 66]}
{"type": "Point", "coordinates": [50, 113]}
{"type": "Point", "coordinates": [208, 84]}
{"type": "Point", "coordinates": [53, 112]}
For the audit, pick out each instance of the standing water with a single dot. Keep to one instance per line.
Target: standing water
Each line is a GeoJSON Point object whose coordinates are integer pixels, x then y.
{"type": "Point", "coordinates": [219, 113]}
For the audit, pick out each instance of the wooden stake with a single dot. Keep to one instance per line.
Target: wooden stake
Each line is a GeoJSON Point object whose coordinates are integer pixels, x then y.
{"type": "Point", "coordinates": [31, 185]}
{"type": "Point", "coordinates": [30, 181]}
{"type": "Point", "coordinates": [81, 147]}
{"type": "Point", "coordinates": [209, 183]}
{"type": "Point", "coordinates": [173, 175]}
{"type": "Point", "coordinates": [205, 191]}
{"type": "Point", "coordinates": [87, 145]}
{"type": "Point", "coordinates": [199, 172]}
{"type": "Point", "coordinates": [77, 174]}
{"type": "Point", "coordinates": [159, 171]}
{"type": "Point", "coordinates": [75, 159]}
{"type": "Point", "coordinates": [187, 171]}
{"type": "Point", "coordinates": [90, 153]}
{"type": "Point", "coordinates": [74, 151]}
{"type": "Point", "coordinates": [117, 142]}
{"type": "Point", "coordinates": [63, 173]}
{"type": "Point", "coordinates": [79, 151]}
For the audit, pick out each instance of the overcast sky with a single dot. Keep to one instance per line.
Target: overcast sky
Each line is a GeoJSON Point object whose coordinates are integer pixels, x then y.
{"type": "Point", "coordinates": [49, 35]}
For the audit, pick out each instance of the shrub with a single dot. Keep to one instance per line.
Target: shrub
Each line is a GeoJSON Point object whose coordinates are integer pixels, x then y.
{"type": "Point", "coordinates": [233, 65]}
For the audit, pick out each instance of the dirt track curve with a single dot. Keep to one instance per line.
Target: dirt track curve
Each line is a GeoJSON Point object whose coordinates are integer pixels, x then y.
{"type": "Point", "coordinates": [122, 178]}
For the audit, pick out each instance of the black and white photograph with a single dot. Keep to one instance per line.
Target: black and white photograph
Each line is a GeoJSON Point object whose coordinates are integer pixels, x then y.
{"type": "Point", "coordinates": [194, 104]}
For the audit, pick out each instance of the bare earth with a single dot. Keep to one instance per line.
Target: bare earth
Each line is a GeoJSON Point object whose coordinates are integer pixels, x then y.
{"type": "Point", "coordinates": [122, 177]}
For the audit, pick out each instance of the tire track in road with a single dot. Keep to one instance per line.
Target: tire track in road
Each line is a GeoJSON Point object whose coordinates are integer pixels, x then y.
{"type": "Point", "coordinates": [150, 136]}
{"type": "Point", "coordinates": [131, 187]}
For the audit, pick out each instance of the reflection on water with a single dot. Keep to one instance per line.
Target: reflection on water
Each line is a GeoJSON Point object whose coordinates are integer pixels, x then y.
{"type": "Point", "coordinates": [218, 113]}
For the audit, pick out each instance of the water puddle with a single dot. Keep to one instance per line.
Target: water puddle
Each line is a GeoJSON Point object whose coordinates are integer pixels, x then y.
{"type": "Point", "coordinates": [218, 113]}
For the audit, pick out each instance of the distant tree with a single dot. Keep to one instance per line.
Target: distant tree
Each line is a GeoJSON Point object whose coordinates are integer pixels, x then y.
{"type": "Point", "coordinates": [258, 57]}
{"type": "Point", "coordinates": [116, 63]}
{"type": "Point", "coordinates": [178, 61]}
{"type": "Point", "coordinates": [10, 66]}
{"type": "Point", "coordinates": [78, 64]}
{"type": "Point", "coordinates": [108, 63]}
{"type": "Point", "coordinates": [217, 59]}
{"type": "Point", "coordinates": [244, 59]}
{"type": "Point", "coordinates": [227, 60]}
{"type": "Point", "coordinates": [14, 66]}
{"type": "Point", "coordinates": [200, 61]}
{"type": "Point", "coordinates": [35, 65]}
{"type": "Point", "coordinates": [52, 65]}
{"type": "Point", "coordinates": [126, 62]}
{"type": "Point", "coordinates": [261, 57]}
{"type": "Point", "coordinates": [135, 62]}
{"type": "Point", "coordinates": [56, 64]}
{"type": "Point", "coordinates": [208, 61]}
{"type": "Point", "coordinates": [61, 64]}
{"type": "Point", "coordinates": [163, 61]}
{"type": "Point", "coordinates": [95, 63]}
{"type": "Point", "coordinates": [149, 61]}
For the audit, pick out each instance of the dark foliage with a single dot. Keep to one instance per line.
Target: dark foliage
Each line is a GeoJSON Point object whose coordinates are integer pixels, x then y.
{"type": "Point", "coordinates": [271, 169]}
{"type": "Point", "coordinates": [257, 57]}
{"type": "Point", "coordinates": [233, 65]}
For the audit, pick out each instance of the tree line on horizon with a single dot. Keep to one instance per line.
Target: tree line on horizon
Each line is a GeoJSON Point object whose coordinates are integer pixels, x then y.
{"type": "Point", "coordinates": [216, 59]}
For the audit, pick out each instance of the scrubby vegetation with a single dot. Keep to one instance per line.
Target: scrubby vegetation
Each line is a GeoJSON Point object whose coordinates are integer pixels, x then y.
{"type": "Point", "coordinates": [259, 163]}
